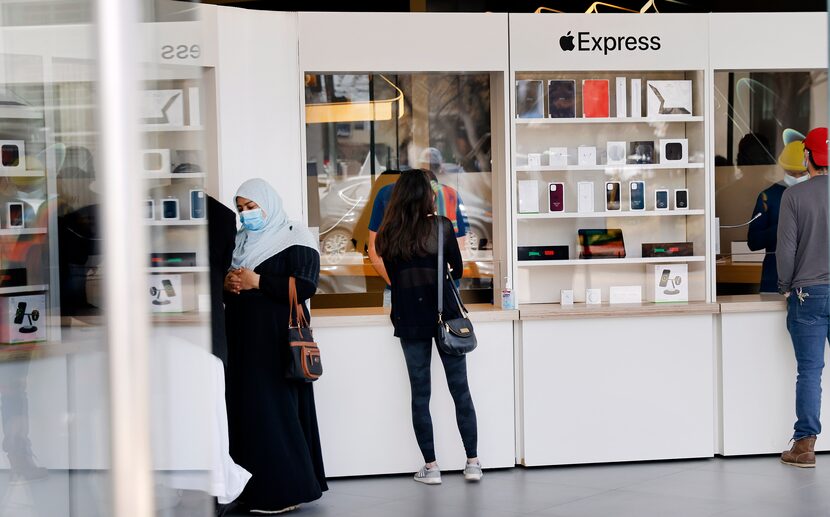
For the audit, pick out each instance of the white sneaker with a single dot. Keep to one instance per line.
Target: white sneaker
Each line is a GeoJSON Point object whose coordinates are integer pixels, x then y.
{"type": "Point", "coordinates": [428, 476]}
{"type": "Point", "coordinates": [472, 472]}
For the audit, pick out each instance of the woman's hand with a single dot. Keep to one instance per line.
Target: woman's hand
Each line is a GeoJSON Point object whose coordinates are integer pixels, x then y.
{"type": "Point", "coordinates": [247, 279]}
{"type": "Point", "coordinates": [233, 284]}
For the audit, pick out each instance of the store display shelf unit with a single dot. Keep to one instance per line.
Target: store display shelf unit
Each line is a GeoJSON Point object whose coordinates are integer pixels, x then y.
{"type": "Point", "coordinates": [610, 215]}
{"type": "Point", "coordinates": [23, 231]}
{"type": "Point", "coordinates": [178, 222]}
{"type": "Point", "coordinates": [171, 129]}
{"type": "Point", "coordinates": [612, 261]}
{"type": "Point", "coordinates": [632, 167]}
{"type": "Point", "coordinates": [182, 269]}
{"type": "Point", "coordinates": [611, 120]}
{"type": "Point", "coordinates": [24, 289]}
{"type": "Point", "coordinates": [175, 176]}
{"type": "Point", "coordinates": [20, 112]}
{"type": "Point", "coordinates": [23, 174]}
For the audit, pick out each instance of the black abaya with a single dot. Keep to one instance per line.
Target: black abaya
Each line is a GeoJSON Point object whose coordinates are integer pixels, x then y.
{"type": "Point", "coordinates": [272, 421]}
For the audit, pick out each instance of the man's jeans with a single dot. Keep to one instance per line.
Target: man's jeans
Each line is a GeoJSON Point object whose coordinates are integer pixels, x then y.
{"type": "Point", "coordinates": [808, 320]}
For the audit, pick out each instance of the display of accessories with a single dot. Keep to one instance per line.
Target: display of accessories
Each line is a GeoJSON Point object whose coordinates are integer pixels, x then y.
{"type": "Point", "coordinates": [20, 318]}
{"type": "Point", "coordinates": [641, 152]}
{"type": "Point", "coordinates": [12, 156]}
{"type": "Point", "coordinates": [198, 204]}
{"type": "Point", "coordinates": [622, 102]}
{"type": "Point", "coordinates": [674, 151]}
{"type": "Point", "coordinates": [616, 154]}
{"type": "Point", "coordinates": [601, 243]}
{"type": "Point", "coordinates": [625, 294]}
{"type": "Point", "coordinates": [552, 252]}
{"type": "Point", "coordinates": [661, 199]}
{"type": "Point", "coordinates": [558, 157]}
{"type": "Point", "coordinates": [668, 98]}
{"type": "Point", "coordinates": [14, 215]}
{"type": "Point", "coordinates": [595, 101]}
{"type": "Point", "coordinates": [612, 196]}
{"type": "Point", "coordinates": [162, 108]}
{"type": "Point", "coordinates": [637, 195]}
{"type": "Point", "coordinates": [566, 297]}
{"type": "Point", "coordinates": [587, 155]}
{"type": "Point", "coordinates": [556, 197]}
{"type": "Point", "coordinates": [534, 160]}
{"type": "Point", "coordinates": [170, 208]}
{"type": "Point", "coordinates": [13, 277]}
{"type": "Point", "coordinates": [636, 98]}
{"type": "Point", "coordinates": [172, 292]}
{"type": "Point", "coordinates": [562, 99]}
{"type": "Point", "coordinates": [528, 197]}
{"type": "Point", "coordinates": [593, 296]}
{"type": "Point", "coordinates": [155, 161]}
{"type": "Point", "coordinates": [180, 259]}
{"type": "Point", "coordinates": [149, 209]}
{"type": "Point", "coordinates": [668, 249]}
{"type": "Point", "coordinates": [585, 197]}
{"type": "Point", "coordinates": [530, 99]}
{"type": "Point", "coordinates": [668, 283]}
{"type": "Point", "coordinates": [681, 199]}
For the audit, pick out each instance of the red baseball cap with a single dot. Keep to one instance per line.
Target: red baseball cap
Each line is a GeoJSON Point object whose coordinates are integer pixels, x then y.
{"type": "Point", "coordinates": [816, 143]}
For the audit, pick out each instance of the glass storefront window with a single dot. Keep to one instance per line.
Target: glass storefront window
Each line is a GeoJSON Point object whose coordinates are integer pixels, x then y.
{"type": "Point", "coordinates": [757, 114]}
{"type": "Point", "coordinates": [361, 126]}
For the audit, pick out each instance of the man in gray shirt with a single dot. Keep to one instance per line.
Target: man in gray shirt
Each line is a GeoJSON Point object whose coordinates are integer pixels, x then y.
{"type": "Point", "coordinates": [803, 262]}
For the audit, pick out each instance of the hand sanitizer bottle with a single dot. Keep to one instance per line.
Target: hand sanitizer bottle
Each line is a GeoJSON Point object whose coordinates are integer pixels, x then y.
{"type": "Point", "coordinates": [507, 296]}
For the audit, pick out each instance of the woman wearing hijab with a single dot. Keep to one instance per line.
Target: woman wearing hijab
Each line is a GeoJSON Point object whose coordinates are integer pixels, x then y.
{"type": "Point", "coordinates": [272, 420]}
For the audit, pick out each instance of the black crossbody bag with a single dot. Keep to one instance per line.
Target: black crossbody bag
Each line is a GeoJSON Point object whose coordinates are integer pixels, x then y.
{"type": "Point", "coordinates": [455, 336]}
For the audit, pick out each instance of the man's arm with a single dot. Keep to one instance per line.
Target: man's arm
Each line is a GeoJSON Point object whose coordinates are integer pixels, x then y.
{"type": "Point", "coordinates": [787, 243]}
{"type": "Point", "coordinates": [375, 259]}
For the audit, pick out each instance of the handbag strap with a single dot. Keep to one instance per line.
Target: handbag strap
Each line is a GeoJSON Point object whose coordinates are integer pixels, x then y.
{"type": "Point", "coordinates": [294, 306]}
{"type": "Point", "coordinates": [440, 269]}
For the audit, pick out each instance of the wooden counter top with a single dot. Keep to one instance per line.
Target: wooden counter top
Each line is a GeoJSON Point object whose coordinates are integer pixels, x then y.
{"type": "Point", "coordinates": [551, 311]}
{"type": "Point", "coordinates": [363, 316]}
{"type": "Point", "coordinates": [752, 303]}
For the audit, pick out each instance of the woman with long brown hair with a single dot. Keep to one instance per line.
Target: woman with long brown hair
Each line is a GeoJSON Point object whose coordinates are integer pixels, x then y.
{"type": "Point", "coordinates": [408, 243]}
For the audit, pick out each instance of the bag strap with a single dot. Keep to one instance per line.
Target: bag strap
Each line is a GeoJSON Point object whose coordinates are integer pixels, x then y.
{"type": "Point", "coordinates": [294, 306]}
{"type": "Point", "coordinates": [440, 269]}
{"type": "Point", "coordinates": [457, 297]}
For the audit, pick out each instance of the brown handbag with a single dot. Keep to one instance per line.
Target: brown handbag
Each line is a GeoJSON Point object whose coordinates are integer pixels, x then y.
{"type": "Point", "coordinates": [304, 364]}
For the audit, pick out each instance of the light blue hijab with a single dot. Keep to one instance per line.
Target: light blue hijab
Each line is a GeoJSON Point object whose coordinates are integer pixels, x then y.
{"type": "Point", "coordinates": [279, 233]}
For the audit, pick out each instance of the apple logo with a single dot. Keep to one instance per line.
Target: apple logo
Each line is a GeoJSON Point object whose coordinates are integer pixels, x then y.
{"type": "Point", "coordinates": [567, 42]}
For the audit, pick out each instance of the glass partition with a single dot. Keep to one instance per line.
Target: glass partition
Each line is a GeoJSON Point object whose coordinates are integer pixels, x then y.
{"type": "Point", "coordinates": [760, 118]}
{"type": "Point", "coordinates": [362, 127]}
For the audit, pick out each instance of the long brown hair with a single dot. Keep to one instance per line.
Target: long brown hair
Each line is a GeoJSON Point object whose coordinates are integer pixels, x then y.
{"type": "Point", "coordinates": [406, 227]}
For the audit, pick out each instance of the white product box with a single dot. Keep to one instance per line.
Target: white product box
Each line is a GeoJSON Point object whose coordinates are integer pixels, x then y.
{"type": "Point", "coordinates": [12, 156]}
{"type": "Point", "coordinates": [741, 253]}
{"type": "Point", "coordinates": [586, 155]}
{"type": "Point", "coordinates": [566, 297]}
{"type": "Point", "coordinates": [585, 197]}
{"type": "Point", "coordinates": [669, 98]}
{"type": "Point", "coordinates": [622, 105]}
{"type": "Point", "coordinates": [155, 161]}
{"type": "Point", "coordinates": [162, 108]}
{"type": "Point", "coordinates": [636, 98]}
{"type": "Point", "coordinates": [616, 153]}
{"type": "Point", "coordinates": [625, 294]}
{"type": "Point", "coordinates": [193, 107]}
{"type": "Point", "coordinates": [593, 296]}
{"type": "Point", "coordinates": [22, 318]}
{"type": "Point", "coordinates": [668, 283]}
{"type": "Point", "coordinates": [528, 197]}
{"type": "Point", "coordinates": [172, 292]}
{"type": "Point", "coordinates": [674, 151]}
{"type": "Point", "coordinates": [558, 156]}
{"type": "Point", "coordinates": [534, 160]}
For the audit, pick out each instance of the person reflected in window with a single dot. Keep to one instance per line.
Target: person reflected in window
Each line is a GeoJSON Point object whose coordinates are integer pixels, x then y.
{"type": "Point", "coordinates": [407, 242]}
{"type": "Point", "coordinates": [272, 421]}
{"type": "Point", "coordinates": [762, 231]}
{"type": "Point", "coordinates": [803, 257]}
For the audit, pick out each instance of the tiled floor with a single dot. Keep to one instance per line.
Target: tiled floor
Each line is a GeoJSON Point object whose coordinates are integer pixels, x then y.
{"type": "Point", "coordinates": [733, 487]}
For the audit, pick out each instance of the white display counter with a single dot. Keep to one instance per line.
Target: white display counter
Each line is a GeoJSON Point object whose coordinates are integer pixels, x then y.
{"type": "Point", "coordinates": [363, 399]}
{"type": "Point", "coordinates": [617, 383]}
{"type": "Point", "coordinates": [757, 376]}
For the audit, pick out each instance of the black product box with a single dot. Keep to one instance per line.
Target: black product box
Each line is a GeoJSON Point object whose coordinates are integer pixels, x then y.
{"type": "Point", "coordinates": [668, 249]}
{"type": "Point", "coordinates": [14, 277]}
{"type": "Point", "coordinates": [183, 259]}
{"type": "Point", "coordinates": [543, 253]}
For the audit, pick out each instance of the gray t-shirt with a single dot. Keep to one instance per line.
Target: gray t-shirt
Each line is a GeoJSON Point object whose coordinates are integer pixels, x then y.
{"type": "Point", "coordinates": [803, 255]}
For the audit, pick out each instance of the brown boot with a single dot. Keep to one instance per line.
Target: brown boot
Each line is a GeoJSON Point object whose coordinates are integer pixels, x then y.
{"type": "Point", "coordinates": [801, 454]}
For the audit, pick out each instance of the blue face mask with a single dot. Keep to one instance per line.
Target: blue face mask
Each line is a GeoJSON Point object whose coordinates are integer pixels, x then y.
{"type": "Point", "coordinates": [252, 220]}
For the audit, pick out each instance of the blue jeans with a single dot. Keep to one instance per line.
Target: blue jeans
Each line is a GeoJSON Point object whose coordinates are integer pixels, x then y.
{"type": "Point", "coordinates": [808, 320]}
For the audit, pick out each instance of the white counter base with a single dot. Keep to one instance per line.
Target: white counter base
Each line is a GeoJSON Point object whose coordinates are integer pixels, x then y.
{"type": "Point", "coordinates": [363, 402]}
{"type": "Point", "coordinates": [624, 389]}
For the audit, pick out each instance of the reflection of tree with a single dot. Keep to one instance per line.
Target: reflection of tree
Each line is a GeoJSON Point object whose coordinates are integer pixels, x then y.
{"type": "Point", "coordinates": [459, 119]}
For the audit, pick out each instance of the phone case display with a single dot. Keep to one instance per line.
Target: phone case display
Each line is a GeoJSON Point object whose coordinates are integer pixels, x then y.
{"type": "Point", "coordinates": [595, 102]}
{"type": "Point", "coordinates": [530, 99]}
{"type": "Point", "coordinates": [22, 318]}
{"type": "Point", "coordinates": [562, 99]}
{"type": "Point", "coordinates": [630, 186]}
{"type": "Point", "coordinates": [15, 217]}
{"type": "Point", "coordinates": [12, 156]}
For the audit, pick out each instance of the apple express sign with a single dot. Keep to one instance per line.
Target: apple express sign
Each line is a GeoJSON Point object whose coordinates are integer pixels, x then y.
{"type": "Point", "coordinates": [605, 44]}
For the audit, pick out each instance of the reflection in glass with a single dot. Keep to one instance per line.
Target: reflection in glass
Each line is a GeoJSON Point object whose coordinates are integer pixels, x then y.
{"type": "Point", "coordinates": [361, 129]}
{"type": "Point", "coordinates": [760, 119]}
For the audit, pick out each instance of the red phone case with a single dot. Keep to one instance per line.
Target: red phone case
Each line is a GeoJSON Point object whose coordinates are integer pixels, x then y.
{"type": "Point", "coordinates": [595, 98]}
